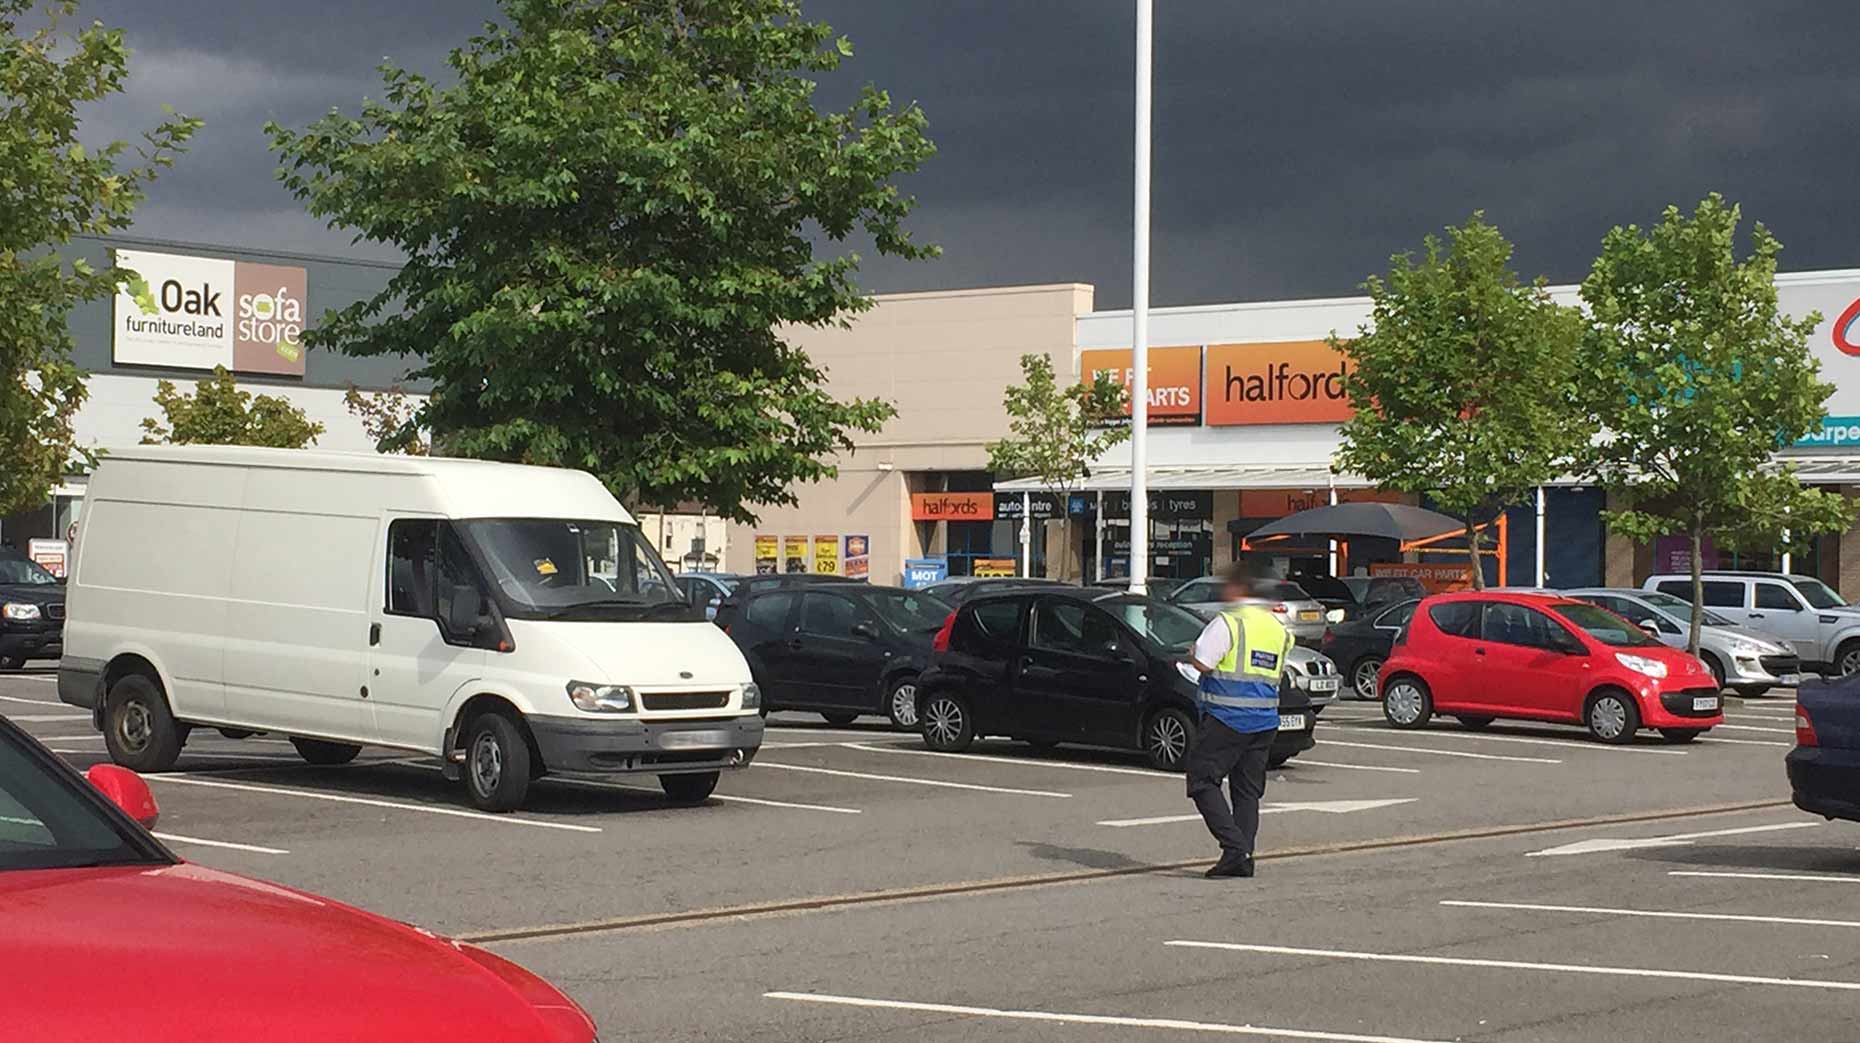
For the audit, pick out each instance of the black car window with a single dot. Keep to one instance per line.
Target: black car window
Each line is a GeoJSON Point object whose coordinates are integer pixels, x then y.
{"type": "Point", "coordinates": [1719, 594]}
{"type": "Point", "coordinates": [769, 611]}
{"type": "Point", "coordinates": [1072, 627]}
{"type": "Point", "coordinates": [990, 627]}
{"type": "Point", "coordinates": [911, 611]}
{"type": "Point", "coordinates": [1395, 588]}
{"type": "Point", "coordinates": [830, 615]}
{"type": "Point", "coordinates": [46, 822]}
{"type": "Point", "coordinates": [1458, 618]}
{"type": "Point", "coordinates": [1200, 592]}
{"type": "Point", "coordinates": [1511, 624]}
{"type": "Point", "coordinates": [1397, 616]}
{"type": "Point", "coordinates": [18, 569]}
{"type": "Point", "coordinates": [1776, 596]}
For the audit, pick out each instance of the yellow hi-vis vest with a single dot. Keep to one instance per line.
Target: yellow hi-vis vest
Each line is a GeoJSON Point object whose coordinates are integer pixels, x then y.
{"type": "Point", "coordinates": [1242, 691]}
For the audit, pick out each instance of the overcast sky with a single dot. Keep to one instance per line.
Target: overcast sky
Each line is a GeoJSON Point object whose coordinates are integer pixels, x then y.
{"type": "Point", "coordinates": [1298, 143]}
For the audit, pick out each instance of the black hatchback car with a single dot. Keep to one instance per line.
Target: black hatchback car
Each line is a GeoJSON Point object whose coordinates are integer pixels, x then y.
{"type": "Point", "coordinates": [32, 611]}
{"type": "Point", "coordinates": [1360, 646]}
{"type": "Point", "coordinates": [841, 649]}
{"type": "Point", "coordinates": [1079, 666]}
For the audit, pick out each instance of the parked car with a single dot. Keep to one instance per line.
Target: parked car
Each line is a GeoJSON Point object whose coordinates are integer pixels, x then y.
{"type": "Point", "coordinates": [1360, 646]}
{"type": "Point", "coordinates": [32, 611]}
{"type": "Point", "coordinates": [1302, 614]}
{"type": "Point", "coordinates": [959, 589]}
{"type": "Point", "coordinates": [706, 590]}
{"type": "Point", "coordinates": [1824, 767]}
{"type": "Point", "coordinates": [1157, 586]}
{"type": "Point", "coordinates": [1747, 660]}
{"type": "Point", "coordinates": [1077, 666]}
{"type": "Point", "coordinates": [1373, 592]}
{"type": "Point", "coordinates": [1329, 591]}
{"type": "Point", "coordinates": [747, 585]}
{"type": "Point", "coordinates": [216, 958]}
{"type": "Point", "coordinates": [842, 650]}
{"type": "Point", "coordinates": [1800, 610]}
{"type": "Point", "coordinates": [1481, 655]}
{"type": "Point", "coordinates": [351, 599]}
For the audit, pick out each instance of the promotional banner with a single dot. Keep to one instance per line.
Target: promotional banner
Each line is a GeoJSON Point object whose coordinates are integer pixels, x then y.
{"type": "Point", "coordinates": [857, 564]}
{"type": "Point", "coordinates": [52, 555]}
{"type": "Point", "coordinates": [827, 555]}
{"type": "Point", "coordinates": [995, 568]}
{"type": "Point", "coordinates": [768, 551]}
{"type": "Point", "coordinates": [1836, 345]}
{"type": "Point", "coordinates": [794, 554]}
{"type": "Point", "coordinates": [1174, 381]}
{"type": "Point", "coordinates": [1438, 579]}
{"type": "Point", "coordinates": [922, 572]}
{"type": "Point", "coordinates": [952, 506]}
{"type": "Point", "coordinates": [1292, 382]}
{"type": "Point", "coordinates": [182, 312]}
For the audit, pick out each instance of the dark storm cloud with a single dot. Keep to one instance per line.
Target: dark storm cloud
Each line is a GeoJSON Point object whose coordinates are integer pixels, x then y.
{"type": "Point", "coordinates": [1297, 142]}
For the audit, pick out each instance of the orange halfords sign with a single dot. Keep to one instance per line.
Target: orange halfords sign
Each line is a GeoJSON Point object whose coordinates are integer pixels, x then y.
{"type": "Point", "coordinates": [1291, 382]}
{"type": "Point", "coordinates": [1175, 381]}
{"type": "Point", "coordinates": [1277, 503]}
{"type": "Point", "coordinates": [952, 506]}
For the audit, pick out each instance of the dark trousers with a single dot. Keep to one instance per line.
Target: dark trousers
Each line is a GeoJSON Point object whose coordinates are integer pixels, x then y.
{"type": "Point", "coordinates": [1220, 753]}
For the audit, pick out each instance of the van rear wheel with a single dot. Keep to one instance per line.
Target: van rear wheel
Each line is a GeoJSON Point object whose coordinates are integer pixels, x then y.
{"type": "Point", "coordinates": [497, 763]}
{"type": "Point", "coordinates": [317, 751]}
{"type": "Point", "coordinates": [140, 731]}
{"type": "Point", "coordinates": [689, 789]}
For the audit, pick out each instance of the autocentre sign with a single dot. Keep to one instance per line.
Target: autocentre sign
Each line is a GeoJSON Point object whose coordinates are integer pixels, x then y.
{"type": "Point", "coordinates": [179, 311]}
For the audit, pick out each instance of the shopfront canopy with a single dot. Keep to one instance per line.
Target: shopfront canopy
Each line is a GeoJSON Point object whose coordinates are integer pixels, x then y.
{"type": "Point", "coordinates": [1394, 521]}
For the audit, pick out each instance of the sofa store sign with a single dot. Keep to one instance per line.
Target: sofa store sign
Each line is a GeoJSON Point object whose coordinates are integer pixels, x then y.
{"type": "Point", "coordinates": [182, 312]}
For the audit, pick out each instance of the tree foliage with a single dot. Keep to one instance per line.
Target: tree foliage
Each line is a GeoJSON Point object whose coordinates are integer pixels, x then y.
{"type": "Point", "coordinates": [219, 412]}
{"type": "Point", "coordinates": [1463, 381]}
{"type": "Point", "coordinates": [388, 417]}
{"type": "Point", "coordinates": [1697, 380]}
{"type": "Point", "coordinates": [53, 189]}
{"type": "Point", "coordinates": [1054, 434]}
{"type": "Point", "coordinates": [609, 213]}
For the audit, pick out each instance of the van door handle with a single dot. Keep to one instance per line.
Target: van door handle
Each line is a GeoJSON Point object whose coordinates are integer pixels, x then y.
{"type": "Point", "coordinates": [374, 634]}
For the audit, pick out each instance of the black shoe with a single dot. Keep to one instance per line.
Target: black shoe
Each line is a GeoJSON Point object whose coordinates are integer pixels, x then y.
{"type": "Point", "coordinates": [1232, 866]}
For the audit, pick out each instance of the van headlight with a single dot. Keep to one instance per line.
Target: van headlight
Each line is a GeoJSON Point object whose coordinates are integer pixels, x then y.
{"type": "Point", "coordinates": [1641, 664]}
{"type": "Point", "coordinates": [20, 611]}
{"type": "Point", "coordinates": [752, 696]}
{"type": "Point", "coordinates": [601, 698]}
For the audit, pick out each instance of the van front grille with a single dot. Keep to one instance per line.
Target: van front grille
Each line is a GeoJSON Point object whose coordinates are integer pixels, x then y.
{"type": "Point", "coordinates": [684, 700]}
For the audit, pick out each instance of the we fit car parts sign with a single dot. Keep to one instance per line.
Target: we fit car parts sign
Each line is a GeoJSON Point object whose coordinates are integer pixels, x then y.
{"type": "Point", "coordinates": [182, 312]}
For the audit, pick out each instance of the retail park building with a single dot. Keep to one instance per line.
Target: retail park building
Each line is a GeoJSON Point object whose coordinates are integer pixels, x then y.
{"type": "Point", "coordinates": [1245, 404]}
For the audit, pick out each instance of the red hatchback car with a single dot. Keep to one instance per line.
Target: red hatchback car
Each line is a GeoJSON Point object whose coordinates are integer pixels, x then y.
{"type": "Point", "coordinates": [1481, 655]}
{"type": "Point", "coordinates": [104, 935]}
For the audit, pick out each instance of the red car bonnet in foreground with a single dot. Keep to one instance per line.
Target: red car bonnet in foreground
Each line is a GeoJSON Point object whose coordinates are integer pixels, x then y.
{"type": "Point", "coordinates": [107, 937]}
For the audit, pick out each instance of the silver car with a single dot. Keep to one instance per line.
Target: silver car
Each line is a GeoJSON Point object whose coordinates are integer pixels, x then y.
{"type": "Point", "coordinates": [1747, 660]}
{"type": "Point", "coordinates": [1302, 614]}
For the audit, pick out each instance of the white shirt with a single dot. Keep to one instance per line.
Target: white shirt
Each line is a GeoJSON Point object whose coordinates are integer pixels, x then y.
{"type": "Point", "coordinates": [1210, 648]}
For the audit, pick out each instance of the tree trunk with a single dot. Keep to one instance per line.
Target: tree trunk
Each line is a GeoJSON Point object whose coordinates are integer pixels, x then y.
{"type": "Point", "coordinates": [1065, 548]}
{"type": "Point", "coordinates": [1472, 547]}
{"type": "Point", "coordinates": [1698, 590]}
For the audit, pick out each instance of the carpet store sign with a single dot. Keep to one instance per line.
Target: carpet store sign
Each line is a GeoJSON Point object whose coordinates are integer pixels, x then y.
{"type": "Point", "coordinates": [183, 312]}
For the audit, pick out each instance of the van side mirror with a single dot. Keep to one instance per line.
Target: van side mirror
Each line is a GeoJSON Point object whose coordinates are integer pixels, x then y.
{"type": "Point", "coordinates": [466, 614]}
{"type": "Point", "coordinates": [126, 790]}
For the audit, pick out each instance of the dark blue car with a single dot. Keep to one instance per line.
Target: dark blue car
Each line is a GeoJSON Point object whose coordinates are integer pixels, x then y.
{"type": "Point", "coordinates": [1824, 767]}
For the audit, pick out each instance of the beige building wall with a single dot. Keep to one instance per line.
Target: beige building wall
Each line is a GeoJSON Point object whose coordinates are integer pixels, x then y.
{"type": "Point", "coordinates": [943, 359]}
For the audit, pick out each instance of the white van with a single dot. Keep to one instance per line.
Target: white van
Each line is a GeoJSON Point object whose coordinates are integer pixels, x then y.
{"type": "Point", "coordinates": [512, 620]}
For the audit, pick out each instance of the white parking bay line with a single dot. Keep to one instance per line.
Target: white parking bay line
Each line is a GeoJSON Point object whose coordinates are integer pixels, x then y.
{"type": "Point", "coordinates": [1812, 877]}
{"type": "Point", "coordinates": [1054, 1017]}
{"type": "Point", "coordinates": [46, 718]}
{"type": "Point", "coordinates": [1745, 742]}
{"type": "Point", "coordinates": [1332, 807]}
{"type": "Point", "coordinates": [1754, 728]}
{"type": "Point", "coordinates": [1031, 762]}
{"type": "Point", "coordinates": [176, 838]}
{"type": "Point", "coordinates": [339, 798]}
{"type": "Point", "coordinates": [1438, 733]}
{"type": "Point", "coordinates": [1522, 965]}
{"type": "Point", "coordinates": [33, 702]}
{"type": "Point", "coordinates": [1438, 752]}
{"type": "Point", "coordinates": [1598, 844]}
{"type": "Point", "coordinates": [1352, 767]}
{"type": "Point", "coordinates": [721, 797]}
{"type": "Point", "coordinates": [1654, 914]}
{"type": "Point", "coordinates": [42, 678]}
{"type": "Point", "coordinates": [912, 781]}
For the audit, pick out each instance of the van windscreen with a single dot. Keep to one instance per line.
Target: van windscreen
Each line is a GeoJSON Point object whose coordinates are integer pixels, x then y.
{"type": "Point", "coordinates": [550, 568]}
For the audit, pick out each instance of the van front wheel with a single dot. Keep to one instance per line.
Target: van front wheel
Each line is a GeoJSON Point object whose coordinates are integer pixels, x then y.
{"type": "Point", "coordinates": [497, 763]}
{"type": "Point", "coordinates": [138, 727]}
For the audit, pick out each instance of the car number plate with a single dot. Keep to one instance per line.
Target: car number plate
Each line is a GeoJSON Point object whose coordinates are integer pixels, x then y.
{"type": "Point", "coordinates": [1324, 684]}
{"type": "Point", "coordinates": [693, 740]}
{"type": "Point", "coordinates": [1310, 616]}
{"type": "Point", "coordinates": [1705, 702]}
{"type": "Point", "coordinates": [1789, 680]}
{"type": "Point", "coordinates": [1291, 722]}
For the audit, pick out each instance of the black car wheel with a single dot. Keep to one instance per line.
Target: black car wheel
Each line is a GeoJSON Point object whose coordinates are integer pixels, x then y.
{"type": "Point", "coordinates": [689, 789]}
{"type": "Point", "coordinates": [839, 720]}
{"type": "Point", "coordinates": [947, 724]}
{"type": "Point", "coordinates": [1680, 736]}
{"type": "Point", "coordinates": [12, 662]}
{"type": "Point", "coordinates": [497, 763]}
{"type": "Point", "coordinates": [138, 727]}
{"type": "Point", "coordinates": [316, 751]}
{"type": "Point", "coordinates": [1475, 724]}
{"type": "Point", "coordinates": [1166, 739]}
{"type": "Point", "coordinates": [1363, 676]}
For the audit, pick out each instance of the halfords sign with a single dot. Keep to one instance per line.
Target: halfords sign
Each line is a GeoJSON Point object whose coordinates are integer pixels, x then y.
{"type": "Point", "coordinates": [185, 312]}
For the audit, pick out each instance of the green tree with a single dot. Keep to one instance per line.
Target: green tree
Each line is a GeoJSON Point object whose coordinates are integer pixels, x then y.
{"type": "Point", "coordinates": [1463, 381]}
{"type": "Point", "coordinates": [1696, 380]}
{"type": "Point", "coordinates": [610, 213]}
{"type": "Point", "coordinates": [53, 189]}
{"type": "Point", "coordinates": [220, 413]}
{"type": "Point", "coordinates": [388, 417]}
{"type": "Point", "coordinates": [1054, 434]}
